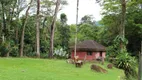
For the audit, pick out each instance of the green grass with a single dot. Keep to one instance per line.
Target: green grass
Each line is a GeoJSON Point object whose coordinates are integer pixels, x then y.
{"type": "Point", "coordinates": [45, 69]}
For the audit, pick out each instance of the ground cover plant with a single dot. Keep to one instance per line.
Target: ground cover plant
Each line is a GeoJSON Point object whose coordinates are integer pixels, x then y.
{"type": "Point", "coordinates": [45, 69]}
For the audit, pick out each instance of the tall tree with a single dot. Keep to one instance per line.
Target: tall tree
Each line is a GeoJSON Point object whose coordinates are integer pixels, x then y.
{"type": "Point", "coordinates": [140, 64]}
{"type": "Point", "coordinates": [23, 30]}
{"type": "Point", "coordinates": [122, 25]}
{"type": "Point", "coordinates": [38, 31]}
{"type": "Point", "coordinates": [112, 20]}
{"type": "Point", "coordinates": [21, 5]}
{"type": "Point", "coordinates": [53, 28]}
{"type": "Point", "coordinates": [3, 19]}
{"type": "Point", "coordinates": [7, 10]}
{"type": "Point", "coordinates": [63, 19]}
{"type": "Point", "coordinates": [88, 19]}
{"type": "Point", "coordinates": [76, 27]}
{"type": "Point", "coordinates": [64, 32]}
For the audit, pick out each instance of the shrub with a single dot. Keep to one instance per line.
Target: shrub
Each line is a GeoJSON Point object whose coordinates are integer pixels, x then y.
{"type": "Point", "coordinates": [3, 49]}
{"type": "Point", "coordinates": [29, 51]}
{"type": "Point", "coordinates": [60, 53]}
{"type": "Point", "coordinates": [127, 63]}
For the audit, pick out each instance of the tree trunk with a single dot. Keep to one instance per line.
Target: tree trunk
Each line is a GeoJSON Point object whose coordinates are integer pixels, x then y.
{"type": "Point", "coordinates": [52, 30]}
{"type": "Point", "coordinates": [38, 31]}
{"type": "Point", "coordinates": [122, 26]}
{"type": "Point", "coordinates": [16, 35]}
{"type": "Point", "coordinates": [76, 28]}
{"type": "Point", "coordinates": [4, 22]}
{"type": "Point", "coordinates": [140, 65]}
{"type": "Point", "coordinates": [23, 30]}
{"type": "Point", "coordinates": [4, 27]}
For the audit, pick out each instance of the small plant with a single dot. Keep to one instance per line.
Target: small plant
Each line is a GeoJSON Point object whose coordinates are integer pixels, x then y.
{"type": "Point", "coordinates": [127, 63]}
{"type": "Point", "coordinates": [60, 53]}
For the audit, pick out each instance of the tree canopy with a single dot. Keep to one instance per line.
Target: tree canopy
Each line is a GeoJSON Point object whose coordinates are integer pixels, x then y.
{"type": "Point", "coordinates": [104, 31]}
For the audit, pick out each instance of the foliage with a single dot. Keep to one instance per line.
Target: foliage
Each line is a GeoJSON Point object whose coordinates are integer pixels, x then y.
{"type": "Point", "coordinates": [114, 49]}
{"type": "Point", "coordinates": [88, 31]}
{"type": "Point", "coordinates": [109, 28]}
{"type": "Point", "coordinates": [59, 52]}
{"type": "Point", "coordinates": [111, 23]}
{"type": "Point", "coordinates": [8, 47]}
{"type": "Point", "coordinates": [63, 18]}
{"type": "Point", "coordinates": [63, 33]}
{"type": "Point", "coordinates": [88, 19]}
{"type": "Point", "coordinates": [105, 31]}
{"type": "Point", "coordinates": [29, 48]}
{"type": "Point", "coordinates": [127, 63]}
{"type": "Point", "coordinates": [134, 29]}
{"type": "Point", "coordinates": [120, 38]}
{"type": "Point", "coordinates": [123, 60]}
{"type": "Point", "coordinates": [3, 49]}
{"type": "Point", "coordinates": [29, 51]}
{"type": "Point", "coordinates": [72, 33]}
{"type": "Point", "coordinates": [62, 37]}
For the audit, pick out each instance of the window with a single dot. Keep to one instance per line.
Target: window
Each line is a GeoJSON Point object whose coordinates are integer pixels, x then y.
{"type": "Point", "coordinates": [89, 53]}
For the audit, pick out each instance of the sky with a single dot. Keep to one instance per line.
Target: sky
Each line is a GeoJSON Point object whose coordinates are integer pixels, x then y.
{"type": "Point", "coordinates": [86, 7]}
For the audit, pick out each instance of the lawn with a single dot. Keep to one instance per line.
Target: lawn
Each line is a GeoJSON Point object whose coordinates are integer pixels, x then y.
{"type": "Point", "coordinates": [45, 69]}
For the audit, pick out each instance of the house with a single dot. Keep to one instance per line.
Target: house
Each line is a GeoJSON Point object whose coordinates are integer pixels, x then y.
{"type": "Point", "coordinates": [89, 50]}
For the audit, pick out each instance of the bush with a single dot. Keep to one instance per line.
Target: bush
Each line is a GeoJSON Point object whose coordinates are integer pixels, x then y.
{"type": "Point", "coordinates": [60, 53]}
{"type": "Point", "coordinates": [14, 51]}
{"type": "Point", "coordinates": [5, 47]}
{"type": "Point", "coordinates": [127, 63]}
{"type": "Point", "coordinates": [29, 51]}
{"type": "Point", "coordinates": [10, 47]}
